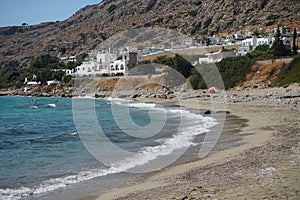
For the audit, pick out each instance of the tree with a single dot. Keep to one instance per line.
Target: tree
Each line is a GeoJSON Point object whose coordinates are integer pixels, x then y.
{"type": "Point", "coordinates": [278, 47]}
{"type": "Point", "coordinates": [206, 41]}
{"type": "Point", "coordinates": [62, 50]}
{"type": "Point", "coordinates": [294, 42]}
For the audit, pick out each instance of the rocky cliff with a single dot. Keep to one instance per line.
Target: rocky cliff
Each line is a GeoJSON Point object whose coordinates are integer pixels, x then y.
{"type": "Point", "coordinates": [88, 27]}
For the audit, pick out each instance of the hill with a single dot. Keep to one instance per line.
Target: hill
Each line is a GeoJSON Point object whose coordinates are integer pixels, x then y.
{"type": "Point", "coordinates": [91, 25]}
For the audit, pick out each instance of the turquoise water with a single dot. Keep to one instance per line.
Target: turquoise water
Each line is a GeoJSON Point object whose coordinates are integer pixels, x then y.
{"type": "Point", "coordinates": [41, 149]}
{"type": "Point", "coordinates": [37, 138]}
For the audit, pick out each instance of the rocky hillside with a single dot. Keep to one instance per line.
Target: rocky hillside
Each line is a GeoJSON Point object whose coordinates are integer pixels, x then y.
{"type": "Point", "coordinates": [87, 28]}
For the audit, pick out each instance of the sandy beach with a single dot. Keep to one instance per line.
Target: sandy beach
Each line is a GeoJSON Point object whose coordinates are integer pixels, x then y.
{"type": "Point", "coordinates": [265, 166]}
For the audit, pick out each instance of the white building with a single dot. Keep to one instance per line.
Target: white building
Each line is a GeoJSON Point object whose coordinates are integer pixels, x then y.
{"type": "Point", "coordinates": [105, 57]}
{"type": "Point", "coordinates": [285, 31]}
{"type": "Point", "coordinates": [107, 64]}
{"type": "Point", "coordinates": [214, 40]}
{"type": "Point", "coordinates": [69, 72]}
{"type": "Point", "coordinates": [216, 57]}
{"type": "Point", "coordinates": [266, 40]}
{"type": "Point", "coordinates": [53, 82]}
{"type": "Point", "coordinates": [237, 36]}
{"type": "Point", "coordinates": [86, 69]}
{"type": "Point", "coordinates": [68, 59]}
{"type": "Point", "coordinates": [249, 44]}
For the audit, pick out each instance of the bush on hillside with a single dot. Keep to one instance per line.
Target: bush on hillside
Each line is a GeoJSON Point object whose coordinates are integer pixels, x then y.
{"type": "Point", "coordinates": [262, 52]}
{"type": "Point", "coordinates": [177, 62]}
{"type": "Point", "coordinates": [290, 73]}
{"type": "Point", "coordinates": [232, 71]}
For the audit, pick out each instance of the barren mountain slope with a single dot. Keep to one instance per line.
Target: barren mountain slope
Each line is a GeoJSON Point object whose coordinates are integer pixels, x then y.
{"type": "Point", "coordinates": [87, 28]}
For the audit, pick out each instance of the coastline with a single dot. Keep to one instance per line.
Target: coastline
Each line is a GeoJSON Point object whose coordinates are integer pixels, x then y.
{"type": "Point", "coordinates": [258, 168]}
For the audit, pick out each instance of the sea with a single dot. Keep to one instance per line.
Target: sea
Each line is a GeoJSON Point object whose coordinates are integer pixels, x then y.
{"type": "Point", "coordinates": [61, 148]}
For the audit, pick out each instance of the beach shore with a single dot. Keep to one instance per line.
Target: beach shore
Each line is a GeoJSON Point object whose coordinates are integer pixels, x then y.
{"type": "Point", "coordinates": [265, 166]}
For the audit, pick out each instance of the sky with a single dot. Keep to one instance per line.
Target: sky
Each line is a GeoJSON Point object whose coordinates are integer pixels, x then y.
{"type": "Point", "coordinates": [16, 12]}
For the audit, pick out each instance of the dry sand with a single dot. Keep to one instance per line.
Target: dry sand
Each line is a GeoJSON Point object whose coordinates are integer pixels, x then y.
{"type": "Point", "coordinates": [266, 166]}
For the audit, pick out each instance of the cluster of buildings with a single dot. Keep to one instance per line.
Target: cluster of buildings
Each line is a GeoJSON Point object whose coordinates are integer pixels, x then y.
{"type": "Point", "coordinates": [107, 63]}
{"type": "Point", "coordinates": [249, 44]}
{"type": "Point", "coordinates": [245, 44]}
{"type": "Point", "coordinates": [120, 61]}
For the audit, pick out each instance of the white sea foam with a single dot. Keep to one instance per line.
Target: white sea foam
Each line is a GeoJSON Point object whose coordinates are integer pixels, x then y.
{"type": "Point", "coordinates": [74, 133]}
{"type": "Point", "coordinates": [53, 105]}
{"type": "Point", "coordinates": [130, 103]}
{"type": "Point", "coordinates": [197, 124]}
{"type": "Point", "coordinates": [142, 105]}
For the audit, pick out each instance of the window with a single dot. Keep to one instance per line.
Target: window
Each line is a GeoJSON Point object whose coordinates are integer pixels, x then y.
{"type": "Point", "coordinates": [122, 67]}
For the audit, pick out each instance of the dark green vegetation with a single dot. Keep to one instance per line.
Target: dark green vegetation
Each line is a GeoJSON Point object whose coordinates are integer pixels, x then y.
{"type": "Point", "coordinates": [40, 69]}
{"type": "Point", "coordinates": [279, 49]}
{"type": "Point", "coordinates": [271, 19]}
{"type": "Point", "coordinates": [262, 52]}
{"type": "Point", "coordinates": [182, 69]}
{"type": "Point", "coordinates": [11, 77]}
{"type": "Point", "coordinates": [177, 62]}
{"type": "Point", "coordinates": [290, 73]}
{"type": "Point", "coordinates": [232, 71]}
{"type": "Point", "coordinates": [295, 48]}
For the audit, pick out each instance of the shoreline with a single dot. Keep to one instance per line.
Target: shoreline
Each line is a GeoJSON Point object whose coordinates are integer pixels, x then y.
{"type": "Point", "coordinates": [269, 122]}
{"type": "Point", "coordinates": [263, 122]}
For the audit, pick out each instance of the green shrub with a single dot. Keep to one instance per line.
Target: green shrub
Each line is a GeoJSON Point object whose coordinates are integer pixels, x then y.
{"type": "Point", "coordinates": [290, 73]}
{"type": "Point", "coordinates": [273, 17]}
{"type": "Point", "coordinates": [262, 52]}
{"type": "Point", "coordinates": [177, 62]}
{"type": "Point", "coordinates": [270, 22]}
{"type": "Point", "coordinates": [105, 75]}
{"type": "Point", "coordinates": [232, 71]}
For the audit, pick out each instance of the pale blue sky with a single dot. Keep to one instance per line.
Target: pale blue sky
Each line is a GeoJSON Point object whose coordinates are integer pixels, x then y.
{"type": "Point", "coordinates": [16, 12]}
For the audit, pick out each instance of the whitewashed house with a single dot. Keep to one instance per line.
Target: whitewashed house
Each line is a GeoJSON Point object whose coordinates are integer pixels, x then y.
{"type": "Point", "coordinates": [86, 69]}
{"type": "Point", "coordinates": [100, 64]}
{"type": "Point", "coordinates": [264, 41]}
{"type": "Point", "coordinates": [216, 57]}
{"type": "Point", "coordinates": [237, 36]}
{"type": "Point", "coordinates": [53, 82]}
{"type": "Point", "coordinates": [118, 67]}
{"type": "Point", "coordinates": [249, 44]}
{"type": "Point", "coordinates": [69, 72]}
{"type": "Point", "coordinates": [214, 41]}
{"type": "Point", "coordinates": [284, 31]}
